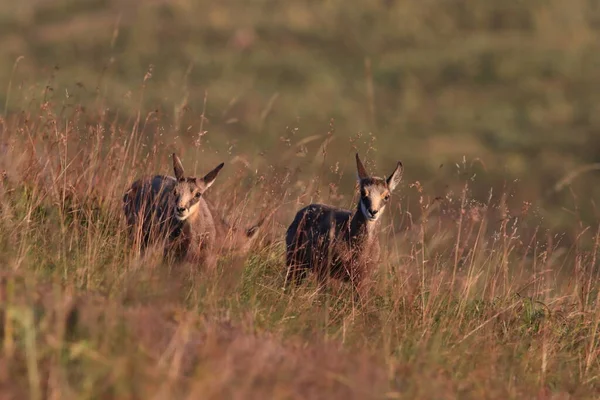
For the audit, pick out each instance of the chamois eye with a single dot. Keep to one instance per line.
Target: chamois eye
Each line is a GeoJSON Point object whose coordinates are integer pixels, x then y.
{"type": "Point", "coordinates": [198, 194]}
{"type": "Point", "coordinates": [387, 197]}
{"type": "Point", "coordinates": [364, 193]}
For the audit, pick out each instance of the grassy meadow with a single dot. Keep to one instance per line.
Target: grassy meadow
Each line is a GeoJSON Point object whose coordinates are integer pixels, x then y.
{"type": "Point", "coordinates": [488, 287]}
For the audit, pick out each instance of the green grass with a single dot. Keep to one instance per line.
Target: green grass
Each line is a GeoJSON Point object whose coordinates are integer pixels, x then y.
{"type": "Point", "coordinates": [465, 304]}
{"type": "Point", "coordinates": [509, 83]}
{"type": "Point", "coordinates": [488, 285]}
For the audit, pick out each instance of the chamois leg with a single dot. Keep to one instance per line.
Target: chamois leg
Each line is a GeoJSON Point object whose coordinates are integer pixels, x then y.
{"type": "Point", "coordinates": [298, 254]}
{"type": "Point", "coordinates": [296, 271]}
{"type": "Point", "coordinates": [359, 285]}
{"type": "Point", "coordinates": [297, 265]}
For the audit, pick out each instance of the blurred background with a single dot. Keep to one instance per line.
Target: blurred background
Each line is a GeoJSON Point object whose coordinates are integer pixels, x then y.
{"type": "Point", "coordinates": [501, 94]}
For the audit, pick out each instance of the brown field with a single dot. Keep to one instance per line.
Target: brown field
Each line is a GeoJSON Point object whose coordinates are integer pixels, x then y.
{"type": "Point", "coordinates": [489, 282]}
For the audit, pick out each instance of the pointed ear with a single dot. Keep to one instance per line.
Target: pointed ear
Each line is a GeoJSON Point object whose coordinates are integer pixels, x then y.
{"type": "Point", "coordinates": [394, 179]}
{"type": "Point", "coordinates": [177, 167]}
{"type": "Point", "coordinates": [360, 169]}
{"type": "Point", "coordinates": [209, 178]}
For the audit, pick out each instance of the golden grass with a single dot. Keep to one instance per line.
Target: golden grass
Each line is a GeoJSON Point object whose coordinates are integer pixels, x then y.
{"type": "Point", "coordinates": [470, 302]}
{"type": "Point", "coordinates": [512, 83]}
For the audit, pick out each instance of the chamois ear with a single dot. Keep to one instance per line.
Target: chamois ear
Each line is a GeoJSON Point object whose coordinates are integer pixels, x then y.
{"type": "Point", "coordinates": [360, 169]}
{"type": "Point", "coordinates": [177, 168]}
{"type": "Point", "coordinates": [394, 179]}
{"type": "Point", "coordinates": [209, 178]}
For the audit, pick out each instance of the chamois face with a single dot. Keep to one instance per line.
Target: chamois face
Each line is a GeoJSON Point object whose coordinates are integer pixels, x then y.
{"type": "Point", "coordinates": [375, 192]}
{"type": "Point", "coordinates": [188, 191]}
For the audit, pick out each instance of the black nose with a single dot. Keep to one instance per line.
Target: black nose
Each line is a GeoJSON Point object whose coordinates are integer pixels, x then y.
{"type": "Point", "coordinates": [373, 212]}
{"type": "Point", "coordinates": [180, 210]}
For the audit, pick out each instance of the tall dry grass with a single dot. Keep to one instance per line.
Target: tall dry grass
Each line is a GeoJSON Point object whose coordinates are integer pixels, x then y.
{"type": "Point", "coordinates": [470, 301]}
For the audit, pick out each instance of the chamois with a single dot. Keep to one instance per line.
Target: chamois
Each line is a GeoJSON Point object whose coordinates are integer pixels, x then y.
{"type": "Point", "coordinates": [339, 243]}
{"type": "Point", "coordinates": [174, 210]}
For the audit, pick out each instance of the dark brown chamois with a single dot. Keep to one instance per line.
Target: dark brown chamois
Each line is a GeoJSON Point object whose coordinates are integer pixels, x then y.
{"type": "Point", "coordinates": [339, 243]}
{"type": "Point", "coordinates": [174, 210]}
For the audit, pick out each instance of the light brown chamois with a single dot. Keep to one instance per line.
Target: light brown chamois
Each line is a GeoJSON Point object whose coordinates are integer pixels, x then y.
{"type": "Point", "coordinates": [174, 210]}
{"type": "Point", "coordinates": [338, 243]}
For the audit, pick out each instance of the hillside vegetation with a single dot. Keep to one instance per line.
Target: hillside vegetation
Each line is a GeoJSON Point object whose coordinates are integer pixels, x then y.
{"type": "Point", "coordinates": [489, 282]}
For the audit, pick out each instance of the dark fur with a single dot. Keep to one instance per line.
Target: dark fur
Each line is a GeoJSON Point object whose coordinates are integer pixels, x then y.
{"type": "Point", "coordinates": [332, 242]}
{"type": "Point", "coordinates": [149, 208]}
{"type": "Point", "coordinates": [337, 243]}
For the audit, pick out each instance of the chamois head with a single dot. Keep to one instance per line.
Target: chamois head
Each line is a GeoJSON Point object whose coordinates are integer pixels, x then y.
{"type": "Point", "coordinates": [375, 192]}
{"type": "Point", "coordinates": [188, 191]}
